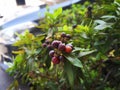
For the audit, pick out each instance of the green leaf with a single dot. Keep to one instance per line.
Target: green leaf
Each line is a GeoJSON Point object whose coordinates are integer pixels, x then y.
{"type": "Point", "coordinates": [102, 25]}
{"type": "Point", "coordinates": [50, 33]}
{"type": "Point", "coordinates": [69, 72]}
{"type": "Point", "coordinates": [74, 60]}
{"type": "Point", "coordinates": [40, 37]}
{"type": "Point", "coordinates": [49, 15]}
{"type": "Point", "coordinates": [19, 59]}
{"type": "Point", "coordinates": [108, 17]}
{"type": "Point", "coordinates": [65, 27]}
{"type": "Point", "coordinates": [86, 53]}
{"type": "Point", "coordinates": [25, 38]}
{"type": "Point", "coordinates": [79, 49]}
{"type": "Point", "coordinates": [42, 26]}
{"type": "Point", "coordinates": [57, 12]}
{"type": "Point", "coordinates": [117, 2]}
{"type": "Point", "coordinates": [100, 22]}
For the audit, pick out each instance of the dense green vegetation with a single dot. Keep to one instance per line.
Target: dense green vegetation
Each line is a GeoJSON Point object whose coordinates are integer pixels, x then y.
{"type": "Point", "coordinates": [78, 49]}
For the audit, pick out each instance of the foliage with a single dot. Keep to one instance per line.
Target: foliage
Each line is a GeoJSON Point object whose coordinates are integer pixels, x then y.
{"type": "Point", "coordinates": [94, 61]}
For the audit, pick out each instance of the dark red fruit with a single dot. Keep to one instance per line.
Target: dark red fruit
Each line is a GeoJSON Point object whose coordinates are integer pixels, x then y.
{"type": "Point", "coordinates": [68, 36]}
{"type": "Point", "coordinates": [49, 47]}
{"type": "Point", "coordinates": [55, 60]}
{"type": "Point", "coordinates": [47, 42]}
{"type": "Point", "coordinates": [62, 58]}
{"type": "Point", "coordinates": [51, 53]}
{"type": "Point", "coordinates": [61, 47]}
{"type": "Point", "coordinates": [63, 34]}
{"type": "Point", "coordinates": [56, 43]}
{"type": "Point", "coordinates": [44, 45]}
{"type": "Point", "coordinates": [68, 49]}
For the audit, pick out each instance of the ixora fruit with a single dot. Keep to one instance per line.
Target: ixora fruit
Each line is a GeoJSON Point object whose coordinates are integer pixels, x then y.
{"type": "Point", "coordinates": [61, 47]}
{"type": "Point", "coordinates": [63, 34]}
{"type": "Point", "coordinates": [62, 58]}
{"type": "Point", "coordinates": [68, 36]}
{"type": "Point", "coordinates": [49, 47]}
{"type": "Point", "coordinates": [51, 53]}
{"type": "Point", "coordinates": [55, 60]}
{"type": "Point", "coordinates": [44, 45]}
{"type": "Point", "coordinates": [70, 46]}
{"type": "Point", "coordinates": [56, 43]}
{"type": "Point", "coordinates": [68, 49]}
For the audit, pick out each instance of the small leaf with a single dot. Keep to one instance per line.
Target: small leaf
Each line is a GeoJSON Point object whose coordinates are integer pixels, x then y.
{"type": "Point", "coordinates": [65, 27]}
{"type": "Point", "coordinates": [18, 52]}
{"type": "Point", "coordinates": [57, 12]}
{"type": "Point", "coordinates": [86, 53]}
{"type": "Point", "coordinates": [102, 25]}
{"type": "Point", "coordinates": [75, 61]}
{"type": "Point", "coordinates": [100, 22]}
{"type": "Point", "coordinates": [108, 17]}
{"type": "Point", "coordinates": [50, 33]}
{"type": "Point", "coordinates": [18, 59]}
{"type": "Point", "coordinates": [40, 37]}
{"type": "Point", "coordinates": [77, 49]}
{"type": "Point", "coordinates": [42, 26]}
{"type": "Point", "coordinates": [49, 15]}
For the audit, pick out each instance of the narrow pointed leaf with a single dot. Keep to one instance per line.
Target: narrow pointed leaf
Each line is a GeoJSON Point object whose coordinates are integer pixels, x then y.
{"type": "Point", "coordinates": [74, 60]}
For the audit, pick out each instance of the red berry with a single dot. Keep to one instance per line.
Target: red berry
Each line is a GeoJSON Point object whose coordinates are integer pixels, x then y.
{"type": "Point", "coordinates": [63, 34]}
{"type": "Point", "coordinates": [68, 49]}
{"type": "Point", "coordinates": [70, 45]}
{"type": "Point", "coordinates": [55, 60]}
{"type": "Point", "coordinates": [56, 43]}
{"type": "Point", "coordinates": [51, 53]}
{"type": "Point", "coordinates": [61, 47]}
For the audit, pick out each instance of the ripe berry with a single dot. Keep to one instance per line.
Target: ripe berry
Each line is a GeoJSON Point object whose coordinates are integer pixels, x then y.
{"type": "Point", "coordinates": [62, 58]}
{"type": "Point", "coordinates": [70, 46]}
{"type": "Point", "coordinates": [47, 42]}
{"type": "Point", "coordinates": [61, 47]}
{"type": "Point", "coordinates": [51, 53]}
{"type": "Point", "coordinates": [68, 36]}
{"type": "Point", "coordinates": [44, 45]}
{"type": "Point", "coordinates": [63, 35]}
{"type": "Point", "coordinates": [68, 49]}
{"type": "Point", "coordinates": [49, 47]}
{"type": "Point", "coordinates": [55, 60]}
{"type": "Point", "coordinates": [56, 43]}
{"type": "Point", "coordinates": [74, 26]}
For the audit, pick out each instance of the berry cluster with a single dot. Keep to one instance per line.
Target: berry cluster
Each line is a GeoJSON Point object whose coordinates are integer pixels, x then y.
{"type": "Point", "coordinates": [57, 53]}
{"type": "Point", "coordinates": [65, 37]}
{"type": "Point", "coordinates": [47, 44]}
{"type": "Point", "coordinates": [58, 47]}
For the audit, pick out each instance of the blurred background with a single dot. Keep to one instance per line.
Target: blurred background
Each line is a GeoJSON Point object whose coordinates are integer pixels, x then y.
{"type": "Point", "coordinates": [10, 7]}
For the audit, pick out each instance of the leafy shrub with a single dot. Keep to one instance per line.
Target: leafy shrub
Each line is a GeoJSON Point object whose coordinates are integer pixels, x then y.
{"type": "Point", "coordinates": [79, 49]}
